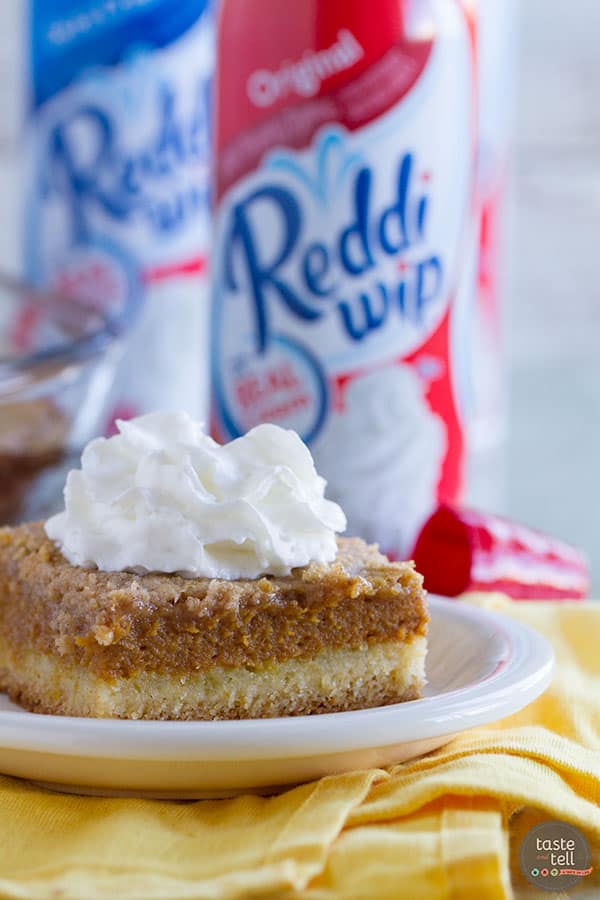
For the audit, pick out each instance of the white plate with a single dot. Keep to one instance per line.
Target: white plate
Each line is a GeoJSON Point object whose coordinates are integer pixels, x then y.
{"type": "Point", "coordinates": [480, 667]}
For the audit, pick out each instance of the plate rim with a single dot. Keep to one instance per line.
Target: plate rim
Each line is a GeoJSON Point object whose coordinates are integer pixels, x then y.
{"type": "Point", "coordinates": [524, 674]}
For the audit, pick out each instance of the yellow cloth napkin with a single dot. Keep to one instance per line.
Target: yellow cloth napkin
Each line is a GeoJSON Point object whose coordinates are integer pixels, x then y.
{"type": "Point", "coordinates": [445, 826]}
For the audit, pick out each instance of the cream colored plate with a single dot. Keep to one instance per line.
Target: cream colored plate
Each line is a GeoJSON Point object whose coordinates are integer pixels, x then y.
{"type": "Point", "coordinates": [480, 667]}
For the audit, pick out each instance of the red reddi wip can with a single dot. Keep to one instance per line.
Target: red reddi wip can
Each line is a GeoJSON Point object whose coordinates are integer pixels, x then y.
{"type": "Point", "coordinates": [461, 550]}
{"type": "Point", "coordinates": [346, 244]}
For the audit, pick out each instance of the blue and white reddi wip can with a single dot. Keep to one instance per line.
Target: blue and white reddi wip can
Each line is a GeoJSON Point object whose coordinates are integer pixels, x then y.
{"type": "Point", "coordinates": [113, 101]}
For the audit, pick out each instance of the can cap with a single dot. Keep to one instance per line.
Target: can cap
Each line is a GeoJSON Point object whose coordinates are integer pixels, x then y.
{"type": "Point", "coordinates": [462, 550]}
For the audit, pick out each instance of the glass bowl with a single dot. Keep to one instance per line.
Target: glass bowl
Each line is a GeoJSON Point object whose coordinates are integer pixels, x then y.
{"type": "Point", "coordinates": [57, 364]}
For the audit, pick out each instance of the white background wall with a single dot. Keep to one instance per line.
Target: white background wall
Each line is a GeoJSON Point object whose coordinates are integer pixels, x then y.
{"type": "Point", "coordinates": [553, 308]}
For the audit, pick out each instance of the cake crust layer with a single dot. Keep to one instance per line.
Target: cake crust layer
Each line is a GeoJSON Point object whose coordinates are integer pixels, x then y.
{"type": "Point", "coordinates": [335, 680]}
{"type": "Point", "coordinates": [119, 624]}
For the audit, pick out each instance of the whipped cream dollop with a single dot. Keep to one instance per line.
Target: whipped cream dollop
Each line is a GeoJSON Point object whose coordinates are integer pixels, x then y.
{"type": "Point", "coordinates": [382, 456]}
{"type": "Point", "coordinates": [162, 496]}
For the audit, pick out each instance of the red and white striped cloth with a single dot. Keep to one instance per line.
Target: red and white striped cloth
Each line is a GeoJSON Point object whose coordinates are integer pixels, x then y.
{"type": "Point", "coordinates": [462, 550]}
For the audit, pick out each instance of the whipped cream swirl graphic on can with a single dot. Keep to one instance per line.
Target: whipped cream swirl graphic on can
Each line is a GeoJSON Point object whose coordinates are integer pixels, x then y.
{"type": "Point", "coordinates": [389, 480]}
